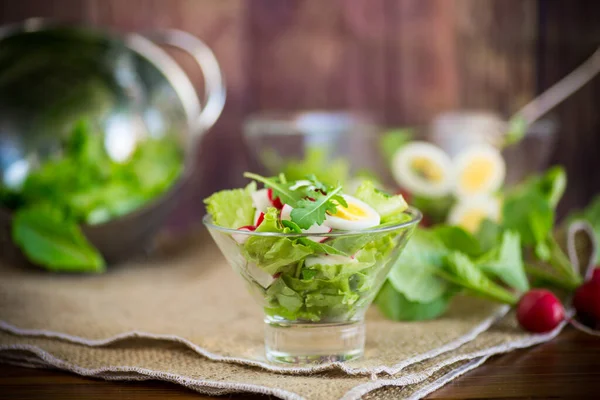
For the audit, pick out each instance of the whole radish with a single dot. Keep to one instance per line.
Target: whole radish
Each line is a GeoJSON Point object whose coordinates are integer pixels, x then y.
{"type": "Point", "coordinates": [539, 311]}
{"type": "Point", "coordinates": [587, 298]}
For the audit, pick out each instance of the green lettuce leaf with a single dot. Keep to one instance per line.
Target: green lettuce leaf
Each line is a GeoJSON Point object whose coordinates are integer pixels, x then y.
{"type": "Point", "coordinates": [271, 254]}
{"type": "Point", "coordinates": [54, 243]}
{"type": "Point", "coordinates": [456, 238]}
{"type": "Point", "coordinates": [232, 208]}
{"type": "Point", "coordinates": [390, 208]}
{"type": "Point", "coordinates": [391, 141]}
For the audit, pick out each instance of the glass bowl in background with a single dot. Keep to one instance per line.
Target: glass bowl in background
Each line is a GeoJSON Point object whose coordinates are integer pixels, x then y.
{"type": "Point", "coordinates": [314, 312]}
{"type": "Point", "coordinates": [275, 138]}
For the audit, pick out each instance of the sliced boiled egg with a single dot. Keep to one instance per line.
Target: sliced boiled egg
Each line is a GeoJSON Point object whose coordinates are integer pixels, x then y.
{"type": "Point", "coordinates": [469, 213]}
{"type": "Point", "coordinates": [260, 200]}
{"type": "Point", "coordinates": [479, 170]}
{"type": "Point", "coordinates": [423, 169]}
{"type": "Point", "coordinates": [286, 215]}
{"type": "Point", "coordinates": [358, 215]}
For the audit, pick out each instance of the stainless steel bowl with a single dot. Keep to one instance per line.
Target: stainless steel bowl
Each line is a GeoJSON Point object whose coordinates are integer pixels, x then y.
{"type": "Point", "coordinates": [52, 75]}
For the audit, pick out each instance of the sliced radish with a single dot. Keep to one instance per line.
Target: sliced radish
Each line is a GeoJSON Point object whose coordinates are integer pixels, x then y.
{"type": "Point", "coordinates": [261, 200]}
{"type": "Point", "coordinates": [259, 276]}
{"type": "Point", "coordinates": [241, 238]}
{"type": "Point", "coordinates": [328, 259]}
{"type": "Point", "coordinates": [259, 217]}
{"type": "Point", "coordinates": [286, 212]}
{"type": "Point", "coordinates": [317, 229]}
{"type": "Point", "coordinates": [275, 201]}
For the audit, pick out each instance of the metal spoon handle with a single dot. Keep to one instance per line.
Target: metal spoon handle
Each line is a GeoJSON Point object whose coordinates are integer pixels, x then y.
{"type": "Point", "coordinates": [568, 85]}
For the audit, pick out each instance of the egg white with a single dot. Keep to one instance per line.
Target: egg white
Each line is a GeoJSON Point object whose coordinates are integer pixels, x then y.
{"type": "Point", "coordinates": [410, 180]}
{"type": "Point", "coordinates": [370, 220]}
{"type": "Point", "coordinates": [466, 160]}
{"type": "Point", "coordinates": [484, 206]}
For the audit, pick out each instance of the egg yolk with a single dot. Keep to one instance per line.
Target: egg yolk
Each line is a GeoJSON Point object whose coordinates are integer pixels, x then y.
{"type": "Point", "coordinates": [427, 169]}
{"type": "Point", "coordinates": [472, 219]}
{"type": "Point", "coordinates": [476, 174]}
{"type": "Point", "coordinates": [350, 213]}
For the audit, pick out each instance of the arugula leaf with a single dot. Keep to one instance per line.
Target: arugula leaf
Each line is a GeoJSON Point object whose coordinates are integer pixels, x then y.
{"type": "Point", "coordinates": [51, 242]}
{"type": "Point", "coordinates": [456, 238]}
{"type": "Point", "coordinates": [319, 248]}
{"type": "Point", "coordinates": [414, 272]}
{"type": "Point", "coordinates": [460, 270]}
{"type": "Point", "coordinates": [395, 306]}
{"type": "Point", "coordinates": [232, 208]}
{"type": "Point", "coordinates": [280, 189]}
{"type": "Point", "coordinates": [506, 262]}
{"type": "Point", "coordinates": [390, 208]}
{"type": "Point", "coordinates": [308, 212]}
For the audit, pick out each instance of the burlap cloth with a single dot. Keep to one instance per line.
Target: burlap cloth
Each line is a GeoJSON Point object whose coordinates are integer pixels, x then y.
{"type": "Point", "coordinates": [150, 319]}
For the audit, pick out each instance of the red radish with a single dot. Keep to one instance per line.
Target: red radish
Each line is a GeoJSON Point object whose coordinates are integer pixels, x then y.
{"type": "Point", "coordinates": [276, 201]}
{"type": "Point", "coordinates": [596, 275]}
{"type": "Point", "coordinates": [286, 212]}
{"type": "Point", "coordinates": [261, 200]}
{"type": "Point", "coordinates": [259, 217]}
{"type": "Point", "coordinates": [240, 238]}
{"type": "Point", "coordinates": [318, 229]}
{"type": "Point", "coordinates": [539, 311]}
{"type": "Point", "coordinates": [425, 222]}
{"type": "Point", "coordinates": [587, 299]}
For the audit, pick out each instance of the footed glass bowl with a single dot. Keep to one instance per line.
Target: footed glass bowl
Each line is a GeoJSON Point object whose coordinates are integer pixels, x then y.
{"type": "Point", "coordinates": [314, 304]}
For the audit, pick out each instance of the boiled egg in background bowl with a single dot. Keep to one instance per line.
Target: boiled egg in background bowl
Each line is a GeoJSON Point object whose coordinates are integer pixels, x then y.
{"type": "Point", "coordinates": [478, 170]}
{"type": "Point", "coordinates": [358, 215]}
{"type": "Point", "coordinates": [468, 213]}
{"type": "Point", "coordinates": [423, 169]}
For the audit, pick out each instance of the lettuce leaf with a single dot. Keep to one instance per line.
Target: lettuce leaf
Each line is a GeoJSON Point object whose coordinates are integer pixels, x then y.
{"type": "Point", "coordinates": [271, 254]}
{"type": "Point", "coordinates": [232, 208]}
{"type": "Point", "coordinates": [395, 306]}
{"type": "Point", "coordinates": [390, 208]}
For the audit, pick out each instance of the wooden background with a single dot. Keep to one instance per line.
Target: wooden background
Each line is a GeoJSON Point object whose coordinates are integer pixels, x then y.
{"type": "Point", "coordinates": [404, 60]}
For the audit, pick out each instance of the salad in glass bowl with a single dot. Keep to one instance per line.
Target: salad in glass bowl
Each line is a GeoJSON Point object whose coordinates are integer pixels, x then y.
{"type": "Point", "coordinates": [313, 256]}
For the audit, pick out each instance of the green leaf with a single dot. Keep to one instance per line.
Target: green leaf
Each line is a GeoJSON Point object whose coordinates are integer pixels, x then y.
{"type": "Point", "coordinates": [319, 248]}
{"type": "Point", "coordinates": [280, 189]}
{"type": "Point", "coordinates": [50, 241]}
{"type": "Point", "coordinates": [551, 185]}
{"type": "Point", "coordinates": [392, 141]}
{"type": "Point", "coordinates": [517, 128]}
{"type": "Point", "coordinates": [317, 162]}
{"type": "Point", "coordinates": [530, 215]}
{"type": "Point", "coordinates": [232, 208]}
{"type": "Point", "coordinates": [461, 271]}
{"type": "Point", "coordinates": [284, 296]}
{"type": "Point", "coordinates": [456, 238]}
{"type": "Point", "coordinates": [390, 208]}
{"type": "Point", "coordinates": [436, 209]}
{"type": "Point", "coordinates": [414, 274]}
{"type": "Point", "coordinates": [307, 213]}
{"type": "Point", "coordinates": [273, 253]}
{"type": "Point", "coordinates": [488, 235]}
{"type": "Point", "coordinates": [395, 306]}
{"type": "Point", "coordinates": [506, 262]}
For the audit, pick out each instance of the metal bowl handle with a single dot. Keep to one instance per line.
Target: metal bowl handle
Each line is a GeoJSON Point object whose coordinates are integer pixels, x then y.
{"type": "Point", "coordinates": [214, 85]}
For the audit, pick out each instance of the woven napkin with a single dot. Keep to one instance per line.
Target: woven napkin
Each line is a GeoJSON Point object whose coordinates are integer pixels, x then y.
{"type": "Point", "coordinates": [193, 304]}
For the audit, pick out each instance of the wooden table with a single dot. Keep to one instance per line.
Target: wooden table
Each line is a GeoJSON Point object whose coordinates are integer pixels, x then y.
{"type": "Point", "coordinates": [566, 368]}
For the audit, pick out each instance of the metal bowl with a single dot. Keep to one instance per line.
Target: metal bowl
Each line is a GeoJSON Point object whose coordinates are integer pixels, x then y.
{"type": "Point", "coordinates": [52, 75]}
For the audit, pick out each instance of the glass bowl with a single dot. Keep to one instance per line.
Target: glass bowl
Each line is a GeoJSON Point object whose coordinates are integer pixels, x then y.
{"type": "Point", "coordinates": [314, 305]}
